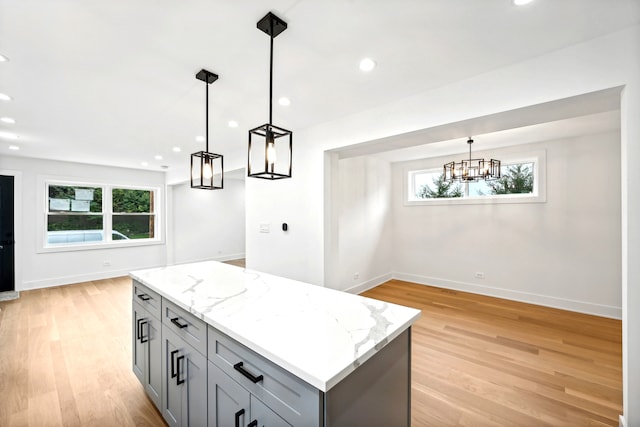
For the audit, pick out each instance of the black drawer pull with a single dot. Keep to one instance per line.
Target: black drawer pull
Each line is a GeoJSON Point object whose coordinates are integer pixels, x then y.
{"type": "Point", "coordinates": [239, 367]}
{"type": "Point", "coordinates": [178, 324]}
{"type": "Point", "coordinates": [144, 297]}
{"type": "Point", "coordinates": [173, 366]}
{"type": "Point", "coordinates": [140, 334]}
{"type": "Point", "coordinates": [238, 415]}
{"type": "Point", "coordinates": [178, 380]}
{"type": "Point", "coordinates": [253, 423]}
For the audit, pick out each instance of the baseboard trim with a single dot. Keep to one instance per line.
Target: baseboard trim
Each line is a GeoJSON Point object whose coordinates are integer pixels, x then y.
{"type": "Point", "coordinates": [544, 300]}
{"type": "Point", "coordinates": [369, 284]}
{"type": "Point", "coordinates": [621, 421]}
{"type": "Point", "coordinates": [219, 258]}
{"type": "Point", "coordinates": [9, 295]}
{"type": "Point", "coordinates": [68, 280]}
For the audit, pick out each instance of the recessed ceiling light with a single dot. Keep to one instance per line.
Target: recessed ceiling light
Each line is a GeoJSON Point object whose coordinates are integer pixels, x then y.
{"type": "Point", "coordinates": [5, 97]}
{"type": "Point", "coordinates": [144, 163]}
{"type": "Point", "coordinates": [233, 124]}
{"type": "Point", "coordinates": [14, 147]}
{"type": "Point", "coordinates": [7, 120]}
{"type": "Point", "coordinates": [157, 157]}
{"type": "Point", "coordinates": [200, 138]}
{"type": "Point", "coordinates": [8, 135]}
{"type": "Point", "coordinates": [284, 101]}
{"type": "Point", "coordinates": [521, 2]}
{"type": "Point", "coordinates": [367, 64]}
{"type": "Point", "coordinates": [3, 58]}
{"type": "Point", "coordinates": [177, 149]}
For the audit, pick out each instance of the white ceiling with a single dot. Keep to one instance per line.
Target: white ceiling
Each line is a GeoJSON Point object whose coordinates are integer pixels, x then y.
{"type": "Point", "coordinates": [113, 82]}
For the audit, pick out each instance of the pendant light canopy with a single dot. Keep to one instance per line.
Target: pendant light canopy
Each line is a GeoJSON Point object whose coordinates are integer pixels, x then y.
{"type": "Point", "coordinates": [472, 169]}
{"type": "Point", "coordinates": [270, 147]}
{"type": "Point", "coordinates": [207, 168]}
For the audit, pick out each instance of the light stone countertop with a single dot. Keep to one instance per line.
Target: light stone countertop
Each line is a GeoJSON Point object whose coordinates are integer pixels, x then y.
{"type": "Point", "coordinates": [318, 334]}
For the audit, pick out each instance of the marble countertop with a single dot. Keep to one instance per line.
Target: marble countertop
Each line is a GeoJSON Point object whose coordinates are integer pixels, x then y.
{"type": "Point", "coordinates": [318, 334]}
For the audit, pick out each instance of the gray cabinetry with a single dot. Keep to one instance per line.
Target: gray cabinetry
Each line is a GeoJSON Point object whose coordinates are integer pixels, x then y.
{"type": "Point", "coordinates": [198, 376]}
{"type": "Point", "coordinates": [184, 380]}
{"type": "Point", "coordinates": [231, 404]}
{"type": "Point", "coordinates": [228, 401]}
{"type": "Point", "coordinates": [270, 389]}
{"type": "Point", "coordinates": [146, 343]}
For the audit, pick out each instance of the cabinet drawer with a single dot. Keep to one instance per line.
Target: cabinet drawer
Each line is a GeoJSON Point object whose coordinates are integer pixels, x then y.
{"type": "Point", "coordinates": [290, 397]}
{"type": "Point", "coordinates": [147, 298]}
{"type": "Point", "coordinates": [185, 325]}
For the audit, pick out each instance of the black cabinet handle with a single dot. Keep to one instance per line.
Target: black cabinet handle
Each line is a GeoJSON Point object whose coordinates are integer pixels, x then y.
{"type": "Point", "coordinates": [144, 297]}
{"type": "Point", "coordinates": [178, 380]}
{"type": "Point", "coordinates": [238, 415]}
{"type": "Point", "coordinates": [141, 337]}
{"type": "Point", "coordinates": [173, 366]}
{"type": "Point", "coordinates": [138, 331]}
{"type": "Point", "coordinates": [178, 324]}
{"type": "Point", "coordinates": [239, 367]}
{"type": "Point", "coordinates": [253, 423]}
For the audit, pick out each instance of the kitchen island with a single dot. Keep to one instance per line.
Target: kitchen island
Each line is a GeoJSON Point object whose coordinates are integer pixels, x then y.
{"type": "Point", "coordinates": [256, 349]}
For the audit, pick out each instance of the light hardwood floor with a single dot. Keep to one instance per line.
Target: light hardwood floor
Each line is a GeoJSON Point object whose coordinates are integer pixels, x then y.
{"type": "Point", "coordinates": [65, 360]}
{"type": "Point", "coordinates": [481, 361]}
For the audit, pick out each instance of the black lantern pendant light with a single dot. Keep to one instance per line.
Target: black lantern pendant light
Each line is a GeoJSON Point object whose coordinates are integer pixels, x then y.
{"type": "Point", "coordinates": [472, 169]}
{"type": "Point", "coordinates": [270, 147]}
{"type": "Point", "coordinates": [207, 168]}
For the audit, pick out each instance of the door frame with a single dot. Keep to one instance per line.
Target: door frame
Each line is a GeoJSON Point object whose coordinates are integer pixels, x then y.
{"type": "Point", "coordinates": [17, 224]}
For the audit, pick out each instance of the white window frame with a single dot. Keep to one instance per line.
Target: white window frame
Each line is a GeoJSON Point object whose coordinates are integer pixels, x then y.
{"type": "Point", "coordinates": [539, 194]}
{"type": "Point", "coordinates": [107, 215]}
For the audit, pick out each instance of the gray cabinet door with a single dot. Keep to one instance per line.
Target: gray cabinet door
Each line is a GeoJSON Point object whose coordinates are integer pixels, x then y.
{"type": "Point", "coordinates": [264, 416]}
{"type": "Point", "coordinates": [153, 356]}
{"type": "Point", "coordinates": [138, 345]}
{"type": "Point", "coordinates": [194, 411]}
{"type": "Point", "coordinates": [228, 401]}
{"type": "Point", "coordinates": [147, 352]}
{"type": "Point", "coordinates": [172, 391]}
{"type": "Point", "coordinates": [184, 380]}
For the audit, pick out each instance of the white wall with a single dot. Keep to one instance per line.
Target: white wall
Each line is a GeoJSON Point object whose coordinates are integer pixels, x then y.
{"type": "Point", "coordinates": [601, 63]}
{"type": "Point", "coordinates": [207, 224]}
{"type": "Point", "coordinates": [37, 270]}
{"type": "Point", "coordinates": [565, 252]}
{"type": "Point", "coordinates": [365, 233]}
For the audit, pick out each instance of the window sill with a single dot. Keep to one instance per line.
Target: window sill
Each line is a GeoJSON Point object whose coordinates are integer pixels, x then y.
{"type": "Point", "coordinates": [99, 245]}
{"type": "Point", "coordinates": [511, 198]}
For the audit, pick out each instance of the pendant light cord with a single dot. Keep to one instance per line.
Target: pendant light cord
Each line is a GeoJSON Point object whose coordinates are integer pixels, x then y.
{"type": "Point", "coordinates": [271, 74]}
{"type": "Point", "coordinates": [206, 119]}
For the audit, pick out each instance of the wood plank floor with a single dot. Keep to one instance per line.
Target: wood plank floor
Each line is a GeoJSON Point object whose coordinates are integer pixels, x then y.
{"type": "Point", "coordinates": [481, 361]}
{"type": "Point", "coordinates": [65, 360]}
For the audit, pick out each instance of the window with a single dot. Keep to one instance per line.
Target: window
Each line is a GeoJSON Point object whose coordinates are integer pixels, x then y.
{"type": "Point", "coordinates": [521, 181]}
{"type": "Point", "coordinates": [74, 214]}
{"type": "Point", "coordinates": [133, 216]}
{"type": "Point", "coordinates": [99, 215]}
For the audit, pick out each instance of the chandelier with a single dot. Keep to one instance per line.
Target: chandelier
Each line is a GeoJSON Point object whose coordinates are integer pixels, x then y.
{"type": "Point", "coordinates": [472, 169]}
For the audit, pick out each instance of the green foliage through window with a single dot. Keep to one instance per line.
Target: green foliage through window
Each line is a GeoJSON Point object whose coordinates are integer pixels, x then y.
{"type": "Point", "coordinates": [440, 189]}
{"type": "Point", "coordinates": [515, 179]}
{"type": "Point", "coordinates": [131, 201]}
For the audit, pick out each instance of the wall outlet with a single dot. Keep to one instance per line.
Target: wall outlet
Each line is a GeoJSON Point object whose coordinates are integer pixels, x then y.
{"type": "Point", "coordinates": [479, 275]}
{"type": "Point", "coordinates": [356, 275]}
{"type": "Point", "coordinates": [265, 227]}
{"type": "Point", "coordinates": [106, 263]}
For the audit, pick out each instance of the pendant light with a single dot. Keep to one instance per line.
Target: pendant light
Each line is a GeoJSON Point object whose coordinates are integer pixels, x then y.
{"type": "Point", "coordinates": [472, 169]}
{"type": "Point", "coordinates": [207, 168]}
{"type": "Point", "coordinates": [270, 147]}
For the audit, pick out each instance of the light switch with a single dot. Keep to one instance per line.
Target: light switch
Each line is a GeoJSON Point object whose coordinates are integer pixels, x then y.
{"type": "Point", "coordinates": [265, 228]}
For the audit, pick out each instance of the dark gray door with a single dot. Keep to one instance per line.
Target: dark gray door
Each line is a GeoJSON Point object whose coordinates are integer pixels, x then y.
{"type": "Point", "coordinates": [7, 243]}
{"type": "Point", "coordinates": [228, 401]}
